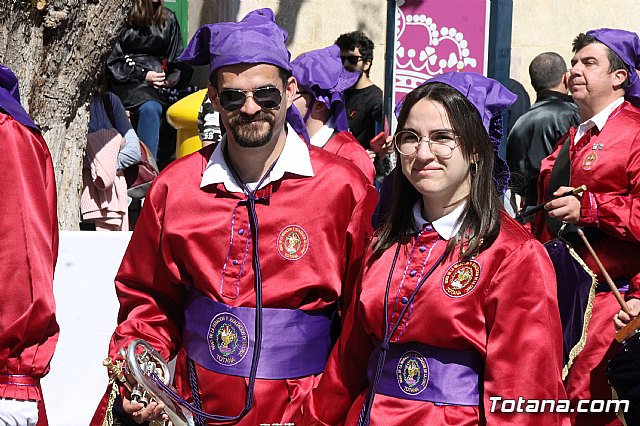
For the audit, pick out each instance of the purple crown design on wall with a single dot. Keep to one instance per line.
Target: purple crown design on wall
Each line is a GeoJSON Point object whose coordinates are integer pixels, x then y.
{"type": "Point", "coordinates": [437, 36]}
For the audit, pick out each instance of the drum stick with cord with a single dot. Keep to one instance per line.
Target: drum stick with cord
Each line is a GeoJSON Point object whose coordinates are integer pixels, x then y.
{"type": "Point", "coordinates": [575, 191]}
{"type": "Point", "coordinates": [630, 329]}
{"type": "Point", "coordinates": [607, 278]}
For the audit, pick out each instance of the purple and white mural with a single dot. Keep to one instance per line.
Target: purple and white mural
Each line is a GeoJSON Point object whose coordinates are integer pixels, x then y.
{"type": "Point", "coordinates": [436, 36]}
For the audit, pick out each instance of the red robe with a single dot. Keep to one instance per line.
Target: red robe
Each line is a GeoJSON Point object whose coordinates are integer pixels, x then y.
{"type": "Point", "coordinates": [346, 145]}
{"type": "Point", "coordinates": [28, 253]}
{"type": "Point", "coordinates": [510, 318]}
{"type": "Point", "coordinates": [611, 204]}
{"type": "Point", "coordinates": [191, 236]}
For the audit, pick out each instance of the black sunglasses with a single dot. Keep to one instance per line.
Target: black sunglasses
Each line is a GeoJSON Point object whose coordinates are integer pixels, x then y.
{"type": "Point", "coordinates": [234, 99]}
{"type": "Point", "coordinates": [352, 59]}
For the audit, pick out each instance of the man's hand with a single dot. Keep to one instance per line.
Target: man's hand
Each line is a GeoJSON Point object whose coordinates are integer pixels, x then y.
{"type": "Point", "coordinates": [622, 319]}
{"type": "Point", "coordinates": [140, 414]}
{"type": "Point", "coordinates": [564, 209]}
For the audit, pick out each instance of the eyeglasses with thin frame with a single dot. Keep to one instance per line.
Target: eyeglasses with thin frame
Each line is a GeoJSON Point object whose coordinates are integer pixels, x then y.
{"type": "Point", "coordinates": [441, 142]}
{"type": "Point", "coordinates": [265, 97]}
{"type": "Point", "coordinates": [352, 59]}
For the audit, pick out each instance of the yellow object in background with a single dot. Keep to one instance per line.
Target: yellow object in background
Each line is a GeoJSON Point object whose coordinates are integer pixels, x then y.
{"type": "Point", "coordinates": [183, 116]}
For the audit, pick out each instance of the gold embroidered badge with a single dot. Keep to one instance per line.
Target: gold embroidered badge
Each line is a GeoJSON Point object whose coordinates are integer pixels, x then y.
{"type": "Point", "coordinates": [461, 278]}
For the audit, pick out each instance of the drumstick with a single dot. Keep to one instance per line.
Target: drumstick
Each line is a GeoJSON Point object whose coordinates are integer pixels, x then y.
{"type": "Point", "coordinates": [632, 327]}
{"type": "Point", "coordinates": [607, 278]}
{"type": "Point", "coordinates": [536, 209]}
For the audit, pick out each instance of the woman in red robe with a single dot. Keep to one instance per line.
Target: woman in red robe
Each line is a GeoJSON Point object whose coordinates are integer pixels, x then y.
{"type": "Point", "coordinates": [455, 319]}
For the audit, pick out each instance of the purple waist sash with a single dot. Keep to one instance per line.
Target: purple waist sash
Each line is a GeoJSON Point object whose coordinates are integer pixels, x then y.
{"type": "Point", "coordinates": [220, 338]}
{"type": "Point", "coordinates": [427, 373]}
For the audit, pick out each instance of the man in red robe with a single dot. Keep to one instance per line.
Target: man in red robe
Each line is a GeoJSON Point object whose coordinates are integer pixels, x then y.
{"type": "Point", "coordinates": [28, 253]}
{"type": "Point", "coordinates": [321, 82]}
{"type": "Point", "coordinates": [603, 153]}
{"type": "Point", "coordinates": [243, 250]}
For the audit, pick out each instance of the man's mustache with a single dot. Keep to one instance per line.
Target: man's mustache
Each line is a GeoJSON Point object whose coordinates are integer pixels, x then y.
{"type": "Point", "coordinates": [248, 119]}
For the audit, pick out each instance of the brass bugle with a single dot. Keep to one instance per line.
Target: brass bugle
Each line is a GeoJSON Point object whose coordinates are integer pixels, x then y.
{"type": "Point", "coordinates": [140, 361]}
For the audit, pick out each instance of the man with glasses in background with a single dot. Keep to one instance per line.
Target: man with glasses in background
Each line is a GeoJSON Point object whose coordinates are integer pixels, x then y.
{"type": "Point", "coordinates": [364, 101]}
{"type": "Point", "coordinates": [243, 250]}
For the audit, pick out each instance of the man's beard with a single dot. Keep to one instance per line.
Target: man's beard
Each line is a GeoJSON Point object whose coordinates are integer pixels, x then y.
{"type": "Point", "coordinates": [248, 131]}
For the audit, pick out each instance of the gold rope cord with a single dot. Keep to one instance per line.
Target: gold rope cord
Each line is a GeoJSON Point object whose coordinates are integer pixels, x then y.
{"type": "Point", "coordinates": [620, 413]}
{"type": "Point", "coordinates": [578, 347]}
{"type": "Point", "coordinates": [115, 390]}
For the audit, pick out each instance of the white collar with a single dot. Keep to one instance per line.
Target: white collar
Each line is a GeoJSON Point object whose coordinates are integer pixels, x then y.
{"type": "Point", "coordinates": [323, 135]}
{"type": "Point", "coordinates": [447, 226]}
{"type": "Point", "coordinates": [598, 120]}
{"type": "Point", "coordinates": [293, 159]}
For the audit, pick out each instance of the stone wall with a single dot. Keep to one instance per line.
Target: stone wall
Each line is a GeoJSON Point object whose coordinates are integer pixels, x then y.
{"type": "Point", "coordinates": [551, 25]}
{"type": "Point", "coordinates": [312, 24]}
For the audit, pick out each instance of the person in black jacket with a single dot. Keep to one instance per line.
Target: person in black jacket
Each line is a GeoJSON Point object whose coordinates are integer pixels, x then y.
{"type": "Point", "coordinates": [143, 63]}
{"type": "Point", "coordinates": [535, 134]}
{"type": "Point", "coordinates": [363, 101]}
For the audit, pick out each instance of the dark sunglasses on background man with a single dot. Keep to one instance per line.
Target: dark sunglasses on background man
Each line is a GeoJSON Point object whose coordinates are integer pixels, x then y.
{"type": "Point", "coordinates": [352, 59]}
{"type": "Point", "coordinates": [265, 97]}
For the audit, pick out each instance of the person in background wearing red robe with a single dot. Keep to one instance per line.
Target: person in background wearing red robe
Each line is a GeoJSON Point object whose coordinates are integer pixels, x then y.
{"type": "Point", "coordinates": [603, 153]}
{"type": "Point", "coordinates": [455, 318]}
{"type": "Point", "coordinates": [243, 250]}
{"type": "Point", "coordinates": [28, 254]}
{"type": "Point", "coordinates": [321, 82]}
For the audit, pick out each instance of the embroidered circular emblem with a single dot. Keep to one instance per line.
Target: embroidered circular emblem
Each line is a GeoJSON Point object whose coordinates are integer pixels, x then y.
{"type": "Point", "coordinates": [412, 373]}
{"type": "Point", "coordinates": [461, 278]}
{"type": "Point", "coordinates": [589, 160]}
{"type": "Point", "coordinates": [228, 340]}
{"type": "Point", "coordinates": [293, 242]}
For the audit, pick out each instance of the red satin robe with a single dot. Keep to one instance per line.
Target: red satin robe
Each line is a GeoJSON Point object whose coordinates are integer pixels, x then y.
{"type": "Point", "coordinates": [346, 145]}
{"type": "Point", "coordinates": [191, 236]}
{"type": "Point", "coordinates": [510, 318]}
{"type": "Point", "coordinates": [28, 254]}
{"type": "Point", "coordinates": [611, 203]}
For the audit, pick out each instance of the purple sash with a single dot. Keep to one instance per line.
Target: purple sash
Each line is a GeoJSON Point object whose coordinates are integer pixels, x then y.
{"type": "Point", "coordinates": [427, 373]}
{"type": "Point", "coordinates": [295, 343]}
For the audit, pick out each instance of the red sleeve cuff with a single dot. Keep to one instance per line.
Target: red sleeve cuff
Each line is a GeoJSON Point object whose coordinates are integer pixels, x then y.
{"type": "Point", "coordinates": [632, 294]}
{"type": "Point", "coordinates": [588, 209]}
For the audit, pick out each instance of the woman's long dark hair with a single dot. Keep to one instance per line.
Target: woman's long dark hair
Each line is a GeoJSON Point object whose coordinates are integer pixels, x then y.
{"type": "Point", "coordinates": [144, 14]}
{"type": "Point", "coordinates": [480, 220]}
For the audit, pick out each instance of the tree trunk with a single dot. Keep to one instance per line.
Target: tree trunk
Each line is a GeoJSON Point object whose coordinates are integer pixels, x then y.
{"type": "Point", "coordinates": [57, 48]}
